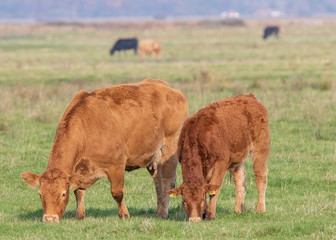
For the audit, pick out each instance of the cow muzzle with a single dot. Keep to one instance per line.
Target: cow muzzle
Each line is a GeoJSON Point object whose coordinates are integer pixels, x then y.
{"type": "Point", "coordinates": [195, 219]}
{"type": "Point", "coordinates": [50, 218]}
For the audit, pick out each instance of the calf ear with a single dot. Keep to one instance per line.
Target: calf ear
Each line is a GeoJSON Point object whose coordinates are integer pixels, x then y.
{"type": "Point", "coordinates": [175, 192]}
{"type": "Point", "coordinates": [76, 181]}
{"type": "Point", "coordinates": [211, 189]}
{"type": "Point", "coordinates": [32, 179]}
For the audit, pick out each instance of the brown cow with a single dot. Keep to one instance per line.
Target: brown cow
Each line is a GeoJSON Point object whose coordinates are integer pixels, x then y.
{"type": "Point", "coordinates": [217, 139]}
{"type": "Point", "coordinates": [151, 47]}
{"type": "Point", "coordinates": [103, 133]}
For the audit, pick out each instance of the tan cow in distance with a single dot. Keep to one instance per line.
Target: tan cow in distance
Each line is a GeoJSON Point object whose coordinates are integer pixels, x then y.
{"type": "Point", "coordinates": [103, 133]}
{"type": "Point", "coordinates": [149, 47]}
{"type": "Point", "coordinates": [217, 139]}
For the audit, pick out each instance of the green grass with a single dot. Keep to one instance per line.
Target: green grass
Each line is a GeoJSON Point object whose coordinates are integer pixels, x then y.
{"type": "Point", "coordinates": [42, 67]}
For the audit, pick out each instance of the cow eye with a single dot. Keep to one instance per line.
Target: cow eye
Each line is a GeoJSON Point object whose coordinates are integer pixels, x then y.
{"type": "Point", "coordinates": [40, 195]}
{"type": "Point", "coordinates": [63, 195]}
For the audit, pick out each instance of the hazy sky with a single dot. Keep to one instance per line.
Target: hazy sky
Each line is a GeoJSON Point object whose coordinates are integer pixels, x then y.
{"type": "Point", "coordinates": [53, 9]}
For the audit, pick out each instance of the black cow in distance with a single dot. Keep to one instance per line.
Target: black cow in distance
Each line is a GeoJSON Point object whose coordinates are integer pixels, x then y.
{"type": "Point", "coordinates": [125, 44]}
{"type": "Point", "coordinates": [271, 30]}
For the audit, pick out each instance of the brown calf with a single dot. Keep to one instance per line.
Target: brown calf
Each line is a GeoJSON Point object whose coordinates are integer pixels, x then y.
{"type": "Point", "coordinates": [103, 133]}
{"type": "Point", "coordinates": [217, 139]}
{"type": "Point", "coordinates": [149, 47]}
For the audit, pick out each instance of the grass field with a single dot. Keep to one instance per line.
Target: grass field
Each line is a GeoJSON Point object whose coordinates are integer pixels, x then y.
{"type": "Point", "coordinates": [43, 66]}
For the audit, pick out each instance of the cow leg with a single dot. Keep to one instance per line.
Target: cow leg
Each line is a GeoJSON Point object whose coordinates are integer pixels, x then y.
{"type": "Point", "coordinates": [156, 173]}
{"type": "Point", "coordinates": [80, 210]}
{"type": "Point", "coordinates": [164, 176]}
{"type": "Point", "coordinates": [239, 175]}
{"type": "Point", "coordinates": [216, 179]}
{"type": "Point", "coordinates": [168, 181]}
{"type": "Point", "coordinates": [169, 163]}
{"type": "Point", "coordinates": [116, 177]}
{"type": "Point", "coordinates": [260, 175]}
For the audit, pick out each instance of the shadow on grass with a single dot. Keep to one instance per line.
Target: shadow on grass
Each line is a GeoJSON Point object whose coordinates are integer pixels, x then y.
{"type": "Point", "coordinates": [175, 214]}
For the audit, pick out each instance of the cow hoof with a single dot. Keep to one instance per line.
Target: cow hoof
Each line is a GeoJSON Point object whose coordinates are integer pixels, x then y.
{"type": "Point", "coordinates": [261, 208]}
{"type": "Point", "coordinates": [239, 208]}
{"type": "Point", "coordinates": [209, 216]}
{"type": "Point", "coordinates": [124, 215]}
{"type": "Point", "coordinates": [163, 216]}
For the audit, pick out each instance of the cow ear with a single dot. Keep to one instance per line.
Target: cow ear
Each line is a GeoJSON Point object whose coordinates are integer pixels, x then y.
{"type": "Point", "coordinates": [175, 192]}
{"type": "Point", "coordinates": [32, 179]}
{"type": "Point", "coordinates": [76, 181]}
{"type": "Point", "coordinates": [211, 189]}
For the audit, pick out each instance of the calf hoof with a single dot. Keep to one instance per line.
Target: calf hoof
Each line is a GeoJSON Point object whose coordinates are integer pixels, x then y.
{"type": "Point", "coordinates": [209, 216]}
{"type": "Point", "coordinates": [80, 216]}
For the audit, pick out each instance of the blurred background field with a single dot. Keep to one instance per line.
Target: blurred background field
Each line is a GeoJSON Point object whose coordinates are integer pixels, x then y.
{"type": "Point", "coordinates": [43, 65]}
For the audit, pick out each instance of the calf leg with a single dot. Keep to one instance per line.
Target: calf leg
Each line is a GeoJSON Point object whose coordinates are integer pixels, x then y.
{"type": "Point", "coordinates": [260, 175]}
{"type": "Point", "coordinates": [211, 210]}
{"type": "Point", "coordinates": [239, 175]}
{"type": "Point", "coordinates": [116, 177]}
{"type": "Point", "coordinates": [216, 179]}
{"type": "Point", "coordinates": [80, 210]}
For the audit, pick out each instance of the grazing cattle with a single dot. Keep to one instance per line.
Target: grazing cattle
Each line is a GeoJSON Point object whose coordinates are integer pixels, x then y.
{"type": "Point", "coordinates": [271, 30]}
{"type": "Point", "coordinates": [217, 139]}
{"type": "Point", "coordinates": [103, 133]}
{"type": "Point", "coordinates": [149, 47]}
{"type": "Point", "coordinates": [125, 44]}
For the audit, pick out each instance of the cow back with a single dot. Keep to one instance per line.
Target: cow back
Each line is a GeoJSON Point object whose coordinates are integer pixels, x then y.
{"type": "Point", "coordinates": [129, 120]}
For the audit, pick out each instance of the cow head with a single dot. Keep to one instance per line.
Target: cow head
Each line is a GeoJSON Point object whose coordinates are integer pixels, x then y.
{"type": "Point", "coordinates": [194, 198]}
{"type": "Point", "coordinates": [53, 191]}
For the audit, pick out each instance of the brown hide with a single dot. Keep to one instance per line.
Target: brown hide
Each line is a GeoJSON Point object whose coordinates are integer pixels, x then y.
{"type": "Point", "coordinates": [149, 47]}
{"type": "Point", "coordinates": [105, 132]}
{"type": "Point", "coordinates": [217, 139]}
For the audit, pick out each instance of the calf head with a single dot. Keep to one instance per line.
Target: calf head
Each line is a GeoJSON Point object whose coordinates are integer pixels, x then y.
{"type": "Point", "coordinates": [53, 191]}
{"type": "Point", "coordinates": [194, 198]}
